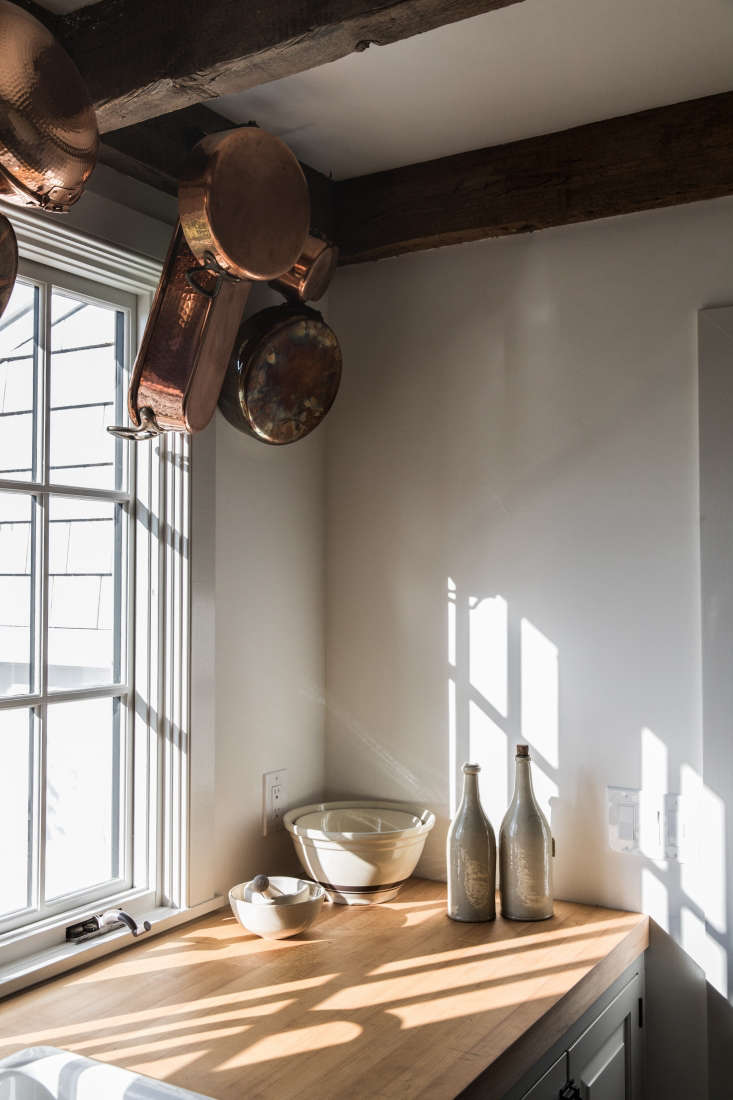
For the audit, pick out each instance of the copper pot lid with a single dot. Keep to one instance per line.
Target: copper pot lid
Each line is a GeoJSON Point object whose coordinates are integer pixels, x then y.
{"type": "Point", "coordinates": [8, 261]}
{"type": "Point", "coordinates": [243, 200]}
{"type": "Point", "coordinates": [309, 277]}
{"type": "Point", "coordinates": [48, 129]}
{"type": "Point", "coordinates": [284, 375]}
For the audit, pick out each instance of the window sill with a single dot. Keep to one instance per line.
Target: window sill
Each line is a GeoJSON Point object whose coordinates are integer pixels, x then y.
{"type": "Point", "coordinates": [39, 967]}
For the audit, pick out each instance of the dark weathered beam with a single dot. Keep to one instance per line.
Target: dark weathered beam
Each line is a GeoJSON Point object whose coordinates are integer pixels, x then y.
{"type": "Point", "coordinates": [662, 157]}
{"type": "Point", "coordinates": [144, 58]}
{"type": "Point", "coordinates": [154, 152]}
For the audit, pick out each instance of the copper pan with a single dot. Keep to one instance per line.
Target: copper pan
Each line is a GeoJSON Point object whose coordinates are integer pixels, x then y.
{"type": "Point", "coordinates": [244, 204]}
{"type": "Point", "coordinates": [8, 261]}
{"type": "Point", "coordinates": [185, 348]}
{"type": "Point", "coordinates": [48, 129]}
{"type": "Point", "coordinates": [307, 280]}
{"type": "Point", "coordinates": [284, 374]}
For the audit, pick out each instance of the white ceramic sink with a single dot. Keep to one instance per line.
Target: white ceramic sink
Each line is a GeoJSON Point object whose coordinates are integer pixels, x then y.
{"type": "Point", "coordinates": [47, 1073]}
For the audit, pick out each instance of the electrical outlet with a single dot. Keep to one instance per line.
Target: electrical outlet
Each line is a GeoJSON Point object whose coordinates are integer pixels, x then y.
{"type": "Point", "coordinates": [274, 800]}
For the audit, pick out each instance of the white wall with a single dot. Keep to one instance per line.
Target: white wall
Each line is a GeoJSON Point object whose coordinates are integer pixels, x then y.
{"type": "Point", "coordinates": [519, 416]}
{"type": "Point", "coordinates": [269, 653]}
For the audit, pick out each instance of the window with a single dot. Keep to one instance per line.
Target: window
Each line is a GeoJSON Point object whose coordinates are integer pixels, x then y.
{"type": "Point", "coordinates": [93, 604]}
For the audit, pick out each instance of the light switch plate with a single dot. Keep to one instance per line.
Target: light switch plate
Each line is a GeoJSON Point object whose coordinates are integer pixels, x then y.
{"type": "Point", "coordinates": [623, 818]}
{"type": "Point", "coordinates": [274, 800]}
{"type": "Point", "coordinates": [677, 840]}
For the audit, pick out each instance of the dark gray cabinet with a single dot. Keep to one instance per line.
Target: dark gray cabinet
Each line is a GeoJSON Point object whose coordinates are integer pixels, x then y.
{"type": "Point", "coordinates": [600, 1057]}
{"type": "Point", "coordinates": [550, 1083]}
{"type": "Point", "coordinates": [605, 1061]}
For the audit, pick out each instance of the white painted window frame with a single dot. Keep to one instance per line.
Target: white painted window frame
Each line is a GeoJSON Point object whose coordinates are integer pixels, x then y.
{"type": "Point", "coordinates": [159, 678]}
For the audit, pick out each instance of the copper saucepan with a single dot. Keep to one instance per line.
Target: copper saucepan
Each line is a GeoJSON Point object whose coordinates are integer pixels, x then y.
{"type": "Point", "coordinates": [48, 129]}
{"type": "Point", "coordinates": [244, 204]}
{"type": "Point", "coordinates": [284, 374]}
{"type": "Point", "coordinates": [308, 279]}
{"type": "Point", "coordinates": [245, 230]}
{"type": "Point", "coordinates": [190, 331]}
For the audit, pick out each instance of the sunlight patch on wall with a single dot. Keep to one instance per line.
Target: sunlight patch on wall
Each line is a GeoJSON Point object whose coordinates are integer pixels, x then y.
{"type": "Point", "coordinates": [488, 747]}
{"type": "Point", "coordinates": [654, 898]}
{"type": "Point", "coordinates": [451, 621]}
{"type": "Point", "coordinates": [540, 693]}
{"type": "Point", "coordinates": [654, 759]}
{"type": "Point", "coordinates": [452, 748]}
{"type": "Point", "coordinates": [703, 871]}
{"type": "Point", "coordinates": [489, 650]}
{"type": "Point", "coordinates": [705, 950]}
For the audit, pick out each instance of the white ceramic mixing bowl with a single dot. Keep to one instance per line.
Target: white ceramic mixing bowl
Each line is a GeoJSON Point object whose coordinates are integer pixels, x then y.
{"type": "Point", "coordinates": [360, 851]}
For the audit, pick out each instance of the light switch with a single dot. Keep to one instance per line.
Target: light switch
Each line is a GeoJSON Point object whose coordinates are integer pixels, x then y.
{"type": "Point", "coordinates": [623, 818]}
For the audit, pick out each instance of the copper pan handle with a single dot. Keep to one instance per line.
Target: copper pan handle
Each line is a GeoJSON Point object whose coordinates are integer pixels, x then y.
{"type": "Point", "coordinates": [148, 428]}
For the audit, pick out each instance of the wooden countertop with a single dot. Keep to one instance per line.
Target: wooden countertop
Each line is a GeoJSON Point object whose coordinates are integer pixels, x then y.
{"type": "Point", "coordinates": [391, 1000]}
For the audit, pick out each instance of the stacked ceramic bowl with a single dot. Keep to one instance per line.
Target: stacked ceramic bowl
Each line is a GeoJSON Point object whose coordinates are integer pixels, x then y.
{"type": "Point", "coordinates": [361, 852]}
{"type": "Point", "coordinates": [276, 907]}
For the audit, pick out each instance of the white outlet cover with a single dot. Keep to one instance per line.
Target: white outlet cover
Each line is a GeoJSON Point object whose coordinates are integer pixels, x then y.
{"type": "Point", "coordinates": [274, 800]}
{"type": "Point", "coordinates": [623, 818]}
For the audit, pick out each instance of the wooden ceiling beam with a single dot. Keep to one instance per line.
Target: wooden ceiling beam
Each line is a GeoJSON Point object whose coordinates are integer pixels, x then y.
{"type": "Point", "coordinates": [661, 157]}
{"type": "Point", "coordinates": [145, 58]}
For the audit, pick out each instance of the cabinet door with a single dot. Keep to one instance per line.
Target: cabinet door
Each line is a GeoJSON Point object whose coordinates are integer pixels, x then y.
{"type": "Point", "coordinates": [605, 1062]}
{"type": "Point", "coordinates": [549, 1085]}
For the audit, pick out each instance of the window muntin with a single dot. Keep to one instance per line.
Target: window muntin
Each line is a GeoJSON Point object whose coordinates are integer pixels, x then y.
{"type": "Point", "coordinates": [66, 538]}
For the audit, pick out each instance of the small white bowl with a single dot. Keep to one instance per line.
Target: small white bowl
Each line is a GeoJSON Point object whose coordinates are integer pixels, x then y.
{"type": "Point", "coordinates": [277, 922]}
{"type": "Point", "coordinates": [361, 852]}
{"type": "Point", "coordinates": [288, 890]}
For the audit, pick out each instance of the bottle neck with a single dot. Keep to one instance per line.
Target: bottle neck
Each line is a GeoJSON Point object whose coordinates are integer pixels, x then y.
{"type": "Point", "coordinates": [523, 788]}
{"type": "Point", "coordinates": [470, 788]}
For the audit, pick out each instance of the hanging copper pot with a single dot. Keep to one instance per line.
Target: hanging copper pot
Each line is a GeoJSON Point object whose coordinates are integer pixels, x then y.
{"type": "Point", "coordinates": [48, 129]}
{"type": "Point", "coordinates": [233, 214]}
{"type": "Point", "coordinates": [284, 374]}
{"type": "Point", "coordinates": [244, 203]}
{"type": "Point", "coordinates": [185, 348]}
{"type": "Point", "coordinates": [308, 279]}
{"type": "Point", "coordinates": [8, 261]}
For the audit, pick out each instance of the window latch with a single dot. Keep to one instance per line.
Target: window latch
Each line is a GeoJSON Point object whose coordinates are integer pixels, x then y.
{"type": "Point", "coordinates": [101, 924]}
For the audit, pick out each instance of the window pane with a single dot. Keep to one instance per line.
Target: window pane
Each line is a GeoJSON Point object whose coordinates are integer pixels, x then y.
{"type": "Point", "coordinates": [87, 392]}
{"type": "Point", "coordinates": [17, 539]}
{"type": "Point", "coordinates": [82, 795]}
{"type": "Point", "coordinates": [18, 367]}
{"type": "Point", "coordinates": [15, 808]}
{"type": "Point", "coordinates": [85, 591]}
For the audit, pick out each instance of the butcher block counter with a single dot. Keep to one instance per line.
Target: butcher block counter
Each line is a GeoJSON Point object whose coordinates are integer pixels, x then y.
{"type": "Point", "coordinates": [391, 1000]}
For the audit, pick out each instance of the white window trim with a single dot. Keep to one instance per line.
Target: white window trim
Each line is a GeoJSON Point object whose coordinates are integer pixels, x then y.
{"type": "Point", "coordinates": [162, 598]}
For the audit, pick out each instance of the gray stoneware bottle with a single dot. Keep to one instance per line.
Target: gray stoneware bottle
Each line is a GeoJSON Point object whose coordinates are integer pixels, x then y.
{"type": "Point", "coordinates": [525, 851]}
{"type": "Point", "coordinates": [471, 856]}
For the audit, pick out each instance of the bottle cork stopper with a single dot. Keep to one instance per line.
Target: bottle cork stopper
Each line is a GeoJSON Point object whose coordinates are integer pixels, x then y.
{"type": "Point", "coordinates": [523, 750]}
{"type": "Point", "coordinates": [471, 769]}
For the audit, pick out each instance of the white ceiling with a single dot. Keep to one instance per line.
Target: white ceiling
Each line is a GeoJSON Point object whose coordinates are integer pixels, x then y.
{"type": "Point", "coordinates": [535, 67]}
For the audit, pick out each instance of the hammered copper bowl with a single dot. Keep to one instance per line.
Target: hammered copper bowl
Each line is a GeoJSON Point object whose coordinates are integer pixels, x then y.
{"type": "Point", "coordinates": [48, 129]}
